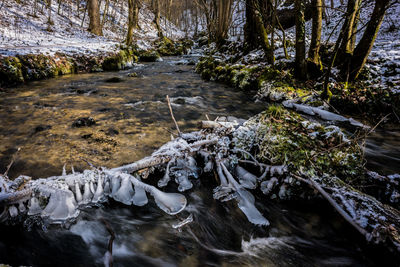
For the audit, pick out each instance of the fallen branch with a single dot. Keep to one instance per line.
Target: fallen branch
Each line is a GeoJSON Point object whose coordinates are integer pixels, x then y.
{"type": "Point", "coordinates": [110, 243]}
{"type": "Point", "coordinates": [172, 115]}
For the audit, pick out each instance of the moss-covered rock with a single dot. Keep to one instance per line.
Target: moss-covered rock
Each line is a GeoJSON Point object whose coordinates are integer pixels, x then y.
{"type": "Point", "coordinates": [149, 56]}
{"type": "Point", "coordinates": [284, 137]}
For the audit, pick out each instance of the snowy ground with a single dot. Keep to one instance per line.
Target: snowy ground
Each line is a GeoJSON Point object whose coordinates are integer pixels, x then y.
{"type": "Point", "coordinates": [23, 33]}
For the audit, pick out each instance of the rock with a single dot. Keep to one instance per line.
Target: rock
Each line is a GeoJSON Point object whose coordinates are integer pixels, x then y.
{"type": "Point", "coordinates": [112, 132]}
{"type": "Point", "coordinates": [41, 128]}
{"type": "Point", "coordinates": [133, 75]}
{"type": "Point", "coordinates": [114, 80]}
{"type": "Point", "coordinates": [83, 122]}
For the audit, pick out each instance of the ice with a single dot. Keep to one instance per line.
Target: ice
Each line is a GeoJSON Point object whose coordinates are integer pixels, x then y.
{"type": "Point", "coordinates": [209, 166]}
{"type": "Point", "coordinates": [61, 207]}
{"type": "Point", "coordinates": [166, 178]}
{"type": "Point", "coordinates": [246, 204]}
{"type": "Point", "coordinates": [34, 207]}
{"type": "Point", "coordinates": [181, 178]}
{"type": "Point", "coordinates": [279, 169]}
{"type": "Point", "coordinates": [87, 196]}
{"type": "Point", "coordinates": [21, 207]}
{"type": "Point", "coordinates": [13, 211]}
{"type": "Point", "coordinates": [91, 186]}
{"type": "Point", "coordinates": [140, 197]}
{"type": "Point", "coordinates": [78, 194]}
{"type": "Point", "coordinates": [246, 179]}
{"type": "Point", "coordinates": [115, 184]}
{"type": "Point", "coordinates": [221, 192]}
{"type": "Point", "coordinates": [125, 192]}
{"type": "Point", "coordinates": [98, 194]}
{"type": "Point", "coordinates": [189, 219]}
{"type": "Point", "coordinates": [171, 203]}
{"type": "Point", "coordinates": [267, 186]}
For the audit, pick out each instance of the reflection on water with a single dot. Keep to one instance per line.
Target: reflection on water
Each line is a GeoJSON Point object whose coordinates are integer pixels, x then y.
{"type": "Point", "coordinates": [132, 117]}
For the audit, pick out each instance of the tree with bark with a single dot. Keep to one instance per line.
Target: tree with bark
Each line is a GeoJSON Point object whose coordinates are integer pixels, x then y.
{"type": "Point", "coordinates": [255, 33]}
{"type": "Point", "coordinates": [156, 10]}
{"type": "Point", "coordinates": [363, 48]}
{"type": "Point", "coordinates": [300, 69]}
{"type": "Point", "coordinates": [314, 64]}
{"type": "Point", "coordinates": [133, 19]}
{"type": "Point", "coordinates": [94, 17]}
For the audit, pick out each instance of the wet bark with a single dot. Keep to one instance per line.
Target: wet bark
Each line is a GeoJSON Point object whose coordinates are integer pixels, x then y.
{"type": "Point", "coordinates": [300, 62]}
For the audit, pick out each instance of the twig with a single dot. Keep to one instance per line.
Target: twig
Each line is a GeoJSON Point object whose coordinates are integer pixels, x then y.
{"type": "Point", "coordinates": [110, 242]}
{"type": "Point", "coordinates": [172, 115]}
{"type": "Point", "coordinates": [12, 162]}
{"type": "Point", "coordinates": [339, 209]}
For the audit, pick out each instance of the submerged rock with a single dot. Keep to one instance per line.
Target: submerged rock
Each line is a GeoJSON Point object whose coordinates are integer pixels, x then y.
{"type": "Point", "coordinates": [83, 122]}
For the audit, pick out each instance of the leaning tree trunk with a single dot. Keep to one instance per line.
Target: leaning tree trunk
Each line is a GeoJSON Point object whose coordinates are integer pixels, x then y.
{"type": "Point", "coordinates": [300, 62]}
{"type": "Point", "coordinates": [314, 61]}
{"type": "Point", "coordinates": [364, 47]}
{"type": "Point", "coordinates": [349, 30]}
{"type": "Point", "coordinates": [94, 17]}
{"type": "Point", "coordinates": [255, 33]}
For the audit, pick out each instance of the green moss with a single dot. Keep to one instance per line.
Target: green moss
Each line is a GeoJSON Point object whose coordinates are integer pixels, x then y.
{"type": "Point", "coordinates": [11, 71]}
{"type": "Point", "coordinates": [284, 137]}
{"type": "Point", "coordinates": [149, 56]}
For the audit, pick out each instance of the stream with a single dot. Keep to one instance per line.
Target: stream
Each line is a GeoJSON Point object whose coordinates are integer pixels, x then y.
{"type": "Point", "coordinates": [129, 119]}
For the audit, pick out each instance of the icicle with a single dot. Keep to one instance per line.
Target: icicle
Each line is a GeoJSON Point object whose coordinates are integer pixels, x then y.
{"type": "Point", "coordinates": [181, 178]}
{"type": "Point", "coordinates": [267, 186]}
{"type": "Point", "coordinates": [72, 169]}
{"type": "Point", "coordinates": [52, 204]}
{"type": "Point", "coordinates": [13, 211]}
{"type": "Point", "coordinates": [246, 204]}
{"type": "Point", "coordinates": [78, 194]}
{"type": "Point", "coordinates": [87, 196]}
{"type": "Point", "coordinates": [125, 192]}
{"type": "Point", "coordinates": [189, 219]}
{"type": "Point", "coordinates": [115, 184]}
{"type": "Point", "coordinates": [21, 207]}
{"type": "Point", "coordinates": [62, 207]}
{"type": "Point", "coordinates": [98, 194]}
{"type": "Point", "coordinates": [140, 197]}
{"type": "Point", "coordinates": [221, 192]}
{"type": "Point", "coordinates": [192, 166]}
{"type": "Point", "coordinates": [34, 207]}
{"type": "Point", "coordinates": [107, 188]}
{"type": "Point", "coordinates": [64, 171]}
{"type": "Point", "coordinates": [171, 203]}
{"type": "Point", "coordinates": [246, 179]}
{"type": "Point", "coordinates": [91, 186]}
{"type": "Point", "coordinates": [209, 166]}
{"type": "Point", "coordinates": [164, 181]}
{"type": "Point", "coordinates": [222, 178]}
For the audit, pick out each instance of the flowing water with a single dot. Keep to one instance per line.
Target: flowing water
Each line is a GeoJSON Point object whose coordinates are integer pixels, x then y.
{"type": "Point", "coordinates": [131, 120]}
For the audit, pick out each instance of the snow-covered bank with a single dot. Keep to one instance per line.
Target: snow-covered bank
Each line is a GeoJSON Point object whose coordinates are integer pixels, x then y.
{"type": "Point", "coordinates": [24, 32]}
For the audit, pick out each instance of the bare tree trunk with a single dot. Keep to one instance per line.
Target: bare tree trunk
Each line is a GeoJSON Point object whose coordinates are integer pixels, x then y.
{"type": "Point", "coordinates": [300, 61]}
{"type": "Point", "coordinates": [314, 60]}
{"type": "Point", "coordinates": [156, 10]}
{"type": "Point", "coordinates": [255, 33]}
{"type": "Point", "coordinates": [351, 17]}
{"type": "Point", "coordinates": [94, 17]}
{"type": "Point", "coordinates": [106, 6]}
{"type": "Point", "coordinates": [364, 47]}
